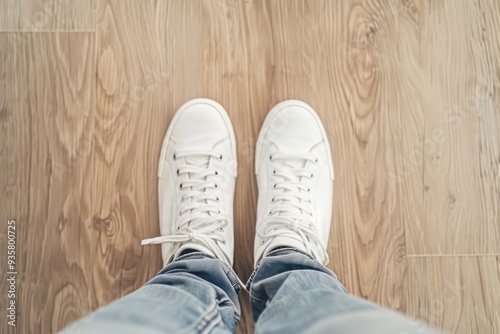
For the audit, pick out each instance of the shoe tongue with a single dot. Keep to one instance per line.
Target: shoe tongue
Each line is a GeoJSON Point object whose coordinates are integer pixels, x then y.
{"type": "Point", "coordinates": [197, 160]}
{"type": "Point", "coordinates": [195, 246]}
{"type": "Point", "coordinates": [293, 163]}
{"type": "Point", "coordinates": [290, 241]}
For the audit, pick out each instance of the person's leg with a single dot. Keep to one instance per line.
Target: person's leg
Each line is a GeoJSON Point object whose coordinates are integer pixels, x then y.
{"type": "Point", "coordinates": [291, 291]}
{"type": "Point", "coordinates": [193, 294]}
{"type": "Point", "coordinates": [196, 292]}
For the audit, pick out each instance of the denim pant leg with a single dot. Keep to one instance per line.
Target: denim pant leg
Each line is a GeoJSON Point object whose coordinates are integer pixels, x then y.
{"type": "Point", "coordinates": [292, 293]}
{"type": "Point", "coordinates": [194, 294]}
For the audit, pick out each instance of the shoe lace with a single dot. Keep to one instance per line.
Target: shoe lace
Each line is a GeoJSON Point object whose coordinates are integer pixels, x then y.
{"type": "Point", "coordinates": [292, 213]}
{"type": "Point", "coordinates": [201, 221]}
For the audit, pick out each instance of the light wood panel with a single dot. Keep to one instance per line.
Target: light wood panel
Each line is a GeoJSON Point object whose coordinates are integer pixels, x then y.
{"type": "Point", "coordinates": [225, 78]}
{"type": "Point", "coordinates": [407, 90]}
{"type": "Point", "coordinates": [458, 294]}
{"type": "Point", "coordinates": [285, 66]}
{"type": "Point", "coordinates": [129, 99]}
{"type": "Point", "coordinates": [453, 164]}
{"type": "Point", "coordinates": [133, 109]}
{"type": "Point", "coordinates": [45, 179]}
{"type": "Point", "coordinates": [358, 92]}
{"type": "Point", "coordinates": [47, 15]}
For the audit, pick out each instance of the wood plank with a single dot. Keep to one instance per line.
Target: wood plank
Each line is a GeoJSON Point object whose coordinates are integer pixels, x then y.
{"type": "Point", "coordinates": [457, 155]}
{"type": "Point", "coordinates": [225, 79]}
{"type": "Point", "coordinates": [357, 97]}
{"type": "Point", "coordinates": [289, 49]}
{"type": "Point", "coordinates": [47, 113]}
{"type": "Point", "coordinates": [137, 66]}
{"type": "Point", "coordinates": [488, 103]}
{"type": "Point", "coordinates": [47, 15]}
{"type": "Point", "coordinates": [457, 294]}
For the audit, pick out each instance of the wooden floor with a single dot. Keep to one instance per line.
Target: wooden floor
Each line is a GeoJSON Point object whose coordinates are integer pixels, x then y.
{"type": "Point", "coordinates": [409, 92]}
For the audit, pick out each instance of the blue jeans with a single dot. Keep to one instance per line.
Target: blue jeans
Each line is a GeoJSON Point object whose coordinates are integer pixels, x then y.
{"type": "Point", "coordinates": [289, 293]}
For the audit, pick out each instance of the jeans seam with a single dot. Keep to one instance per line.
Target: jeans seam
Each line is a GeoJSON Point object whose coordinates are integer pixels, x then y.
{"type": "Point", "coordinates": [232, 276]}
{"type": "Point", "coordinates": [251, 278]}
{"type": "Point", "coordinates": [208, 321]}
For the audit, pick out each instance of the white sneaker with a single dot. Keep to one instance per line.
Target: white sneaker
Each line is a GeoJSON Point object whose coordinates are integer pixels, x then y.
{"type": "Point", "coordinates": [197, 172]}
{"type": "Point", "coordinates": [295, 179]}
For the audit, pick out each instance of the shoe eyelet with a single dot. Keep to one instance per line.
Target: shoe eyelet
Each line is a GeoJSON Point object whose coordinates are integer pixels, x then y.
{"type": "Point", "coordinates": [217, 199]}
{"type": "Point", "coordinates": [216, 173]}
{"type": "Point", "coordinates": [316, 160]}
{"type": "Point", "coordinates": [216, 186]}
{"type": "Point", "coordinates": [178, 173]}
{"type": "Point", "coordinates": [274, 186]}
{"type": "Point", "coordinates": [269, 213]}
{"type": "Point", "coordinates": [180, 214]}
{"type": "Point", "coordinates": [262, 242]}
{"type": "Point", "coordinates": [308, 190]}
{"type": "Point", "coordinates": [221, 229]}
{"type": "Point", "coordinates": [271, 157]}
{"type": "Point", "coordinates": [312, 176]}
{"type": "Point", "coordinates": [175, 157]}
{"type": "Point", "coordinates": [274, 172]}
{"type": "Point", "coordinates": [223, 242]}
{"type": "Point", "coordinates": [220, 157]}
{"type": "Point", "coordinates": [180, 186]}
{"type": "Point", "coordinates": [272, 200]}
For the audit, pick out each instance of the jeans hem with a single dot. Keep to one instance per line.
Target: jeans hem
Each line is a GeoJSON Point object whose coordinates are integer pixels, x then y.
{"type": "Point", "coordinates": [274, 252]}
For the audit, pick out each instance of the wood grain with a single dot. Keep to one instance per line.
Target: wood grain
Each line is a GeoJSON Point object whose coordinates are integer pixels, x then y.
{"type": "Point", "coordinates": [45, 119]}
{"type": "Point", "coordinates": [452, 156]}
{"type": "Point", "coordinates": [407, 91]}
{"type": "Point", "coordinates": [368, 247]}
{"type": "Point", "coordinates": [133, 109]}
{"type": "Point", "coordinates": [225, 79]}
{"type": "Point", "coordinates": [458, 294]}
{"type": "Point", "coordinates": [47, 15]}
{"type": "Point", "coordinates": [128, 99]}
